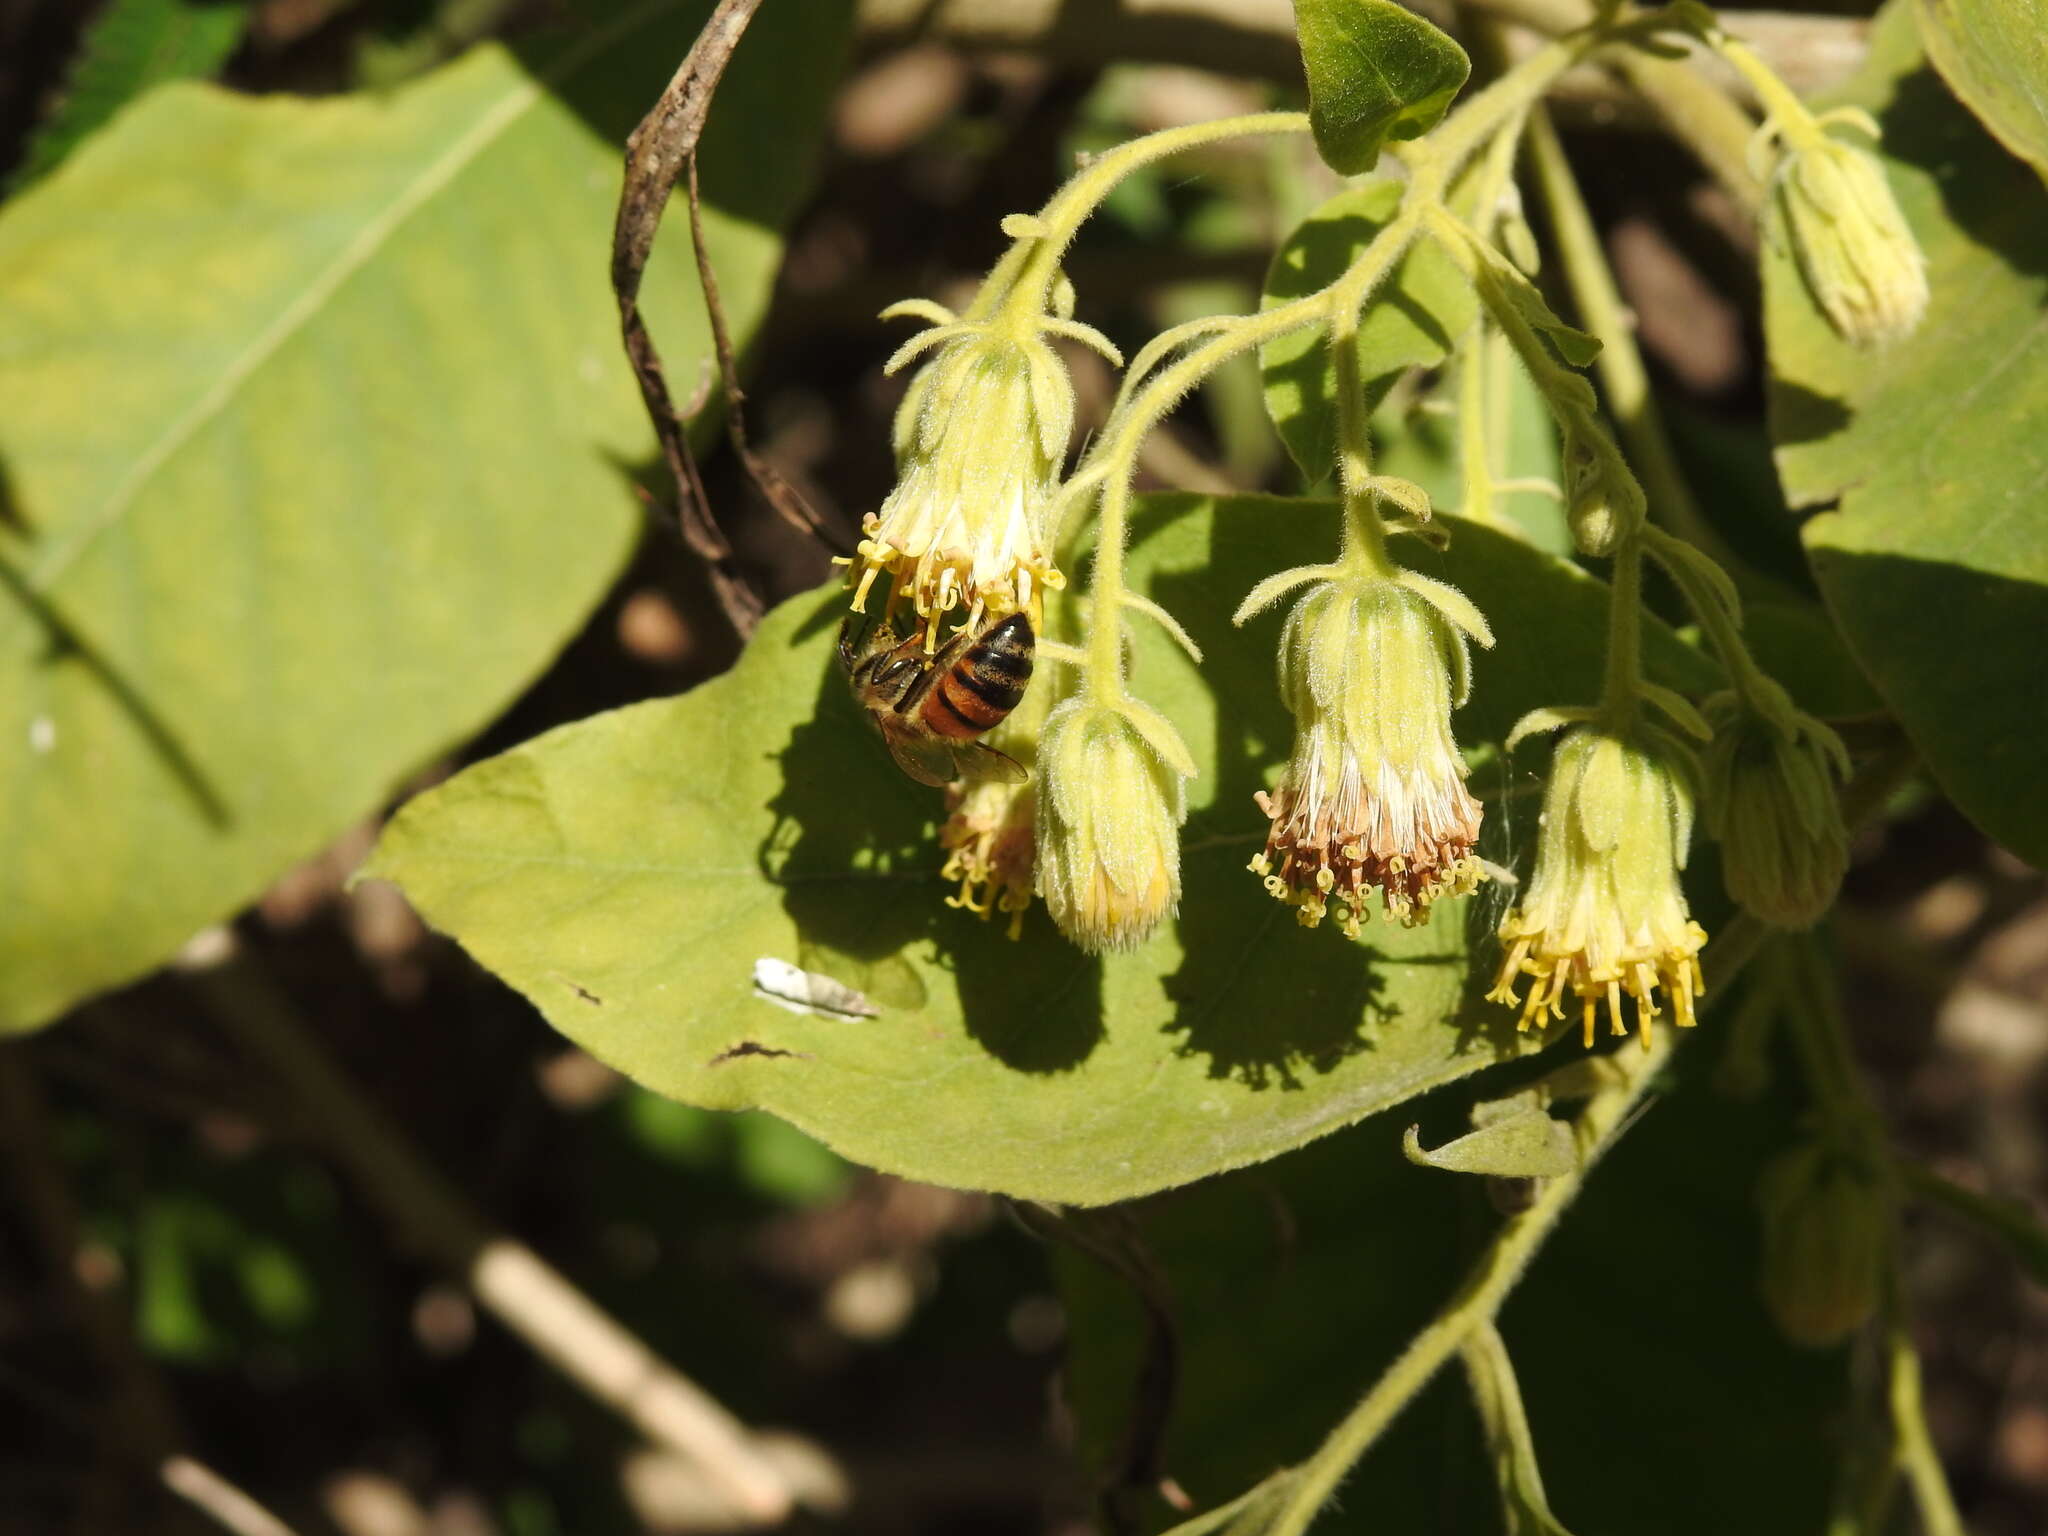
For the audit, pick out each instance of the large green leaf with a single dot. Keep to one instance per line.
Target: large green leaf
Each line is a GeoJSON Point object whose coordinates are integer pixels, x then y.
{"type": "Point", "coordinates": [1935, 559]}
{"type": "Point", "coordinates": [1413, 322]}
{"type": "Point", "coordinates": [627, 872]}
{"type": "Point", "coordinates": [1660, 1398]}
{"type": "Point", "coordinates": [315, 434]}
{"type": "Point", "coordinates": [1376, 71]}
{"type": "Point", "coordinates": [1994, 55]}
{"type": "Point", "coordinates": [134, 45]}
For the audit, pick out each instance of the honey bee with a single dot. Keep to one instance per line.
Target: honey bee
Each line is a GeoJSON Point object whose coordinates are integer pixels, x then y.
{"type": "Point", "coordinates": [931, 709]}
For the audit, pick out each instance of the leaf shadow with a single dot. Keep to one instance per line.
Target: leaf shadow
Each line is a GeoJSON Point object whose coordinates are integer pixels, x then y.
{"type": "Point", "coordinates": [2004, 206]}
{"type": "Point", "coordinates": [853, 849]}
{"type": "Point", "coordinates": [1802, 415]}
{"type": "Point", "coordinates": [1267, 1002]}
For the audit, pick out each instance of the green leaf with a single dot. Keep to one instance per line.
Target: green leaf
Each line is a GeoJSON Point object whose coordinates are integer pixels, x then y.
{"type": "Point", "coordinates": [1294, 1286]}
{"type": "Point", "coordinates": [316, 436]}
{"type": "Point", "coordinates": [1413, 322]}
{"type": "Point", "coordinates": [134, 45]}
{"type": "Point", "coordinates": [1994, 56]}
{"type": "Point", "coordinates": [1528, 1145]}
{"type": "Point", "coordinates": [1934, 561]}
{"type": "Point", "coordinates": [1376, 71]}
{"type": "Point", "coordinates": [627, 872]}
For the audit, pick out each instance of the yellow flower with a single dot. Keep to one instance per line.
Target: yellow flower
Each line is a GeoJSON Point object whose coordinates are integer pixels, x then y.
{"type": "Point", "coordinates": [1373, 795]}
{"type": "Point", "coordinates": [1605, 914]}
{"type": "Point", "coordinates": [991, 825]}
{"type": "Point", "coordinates": [980, 438]}
{"type": "Point", "coordinates": [1853, 246]}
{"type": "Point", "coordinates": [1110, 808]}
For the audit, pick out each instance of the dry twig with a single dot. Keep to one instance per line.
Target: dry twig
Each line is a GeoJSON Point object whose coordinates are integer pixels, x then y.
{"type": "Point", "coordinates": [657, 154]}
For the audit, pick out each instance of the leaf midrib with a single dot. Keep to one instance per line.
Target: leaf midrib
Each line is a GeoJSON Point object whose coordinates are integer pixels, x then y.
{"type": "Point", "coordinates": [81, 535]}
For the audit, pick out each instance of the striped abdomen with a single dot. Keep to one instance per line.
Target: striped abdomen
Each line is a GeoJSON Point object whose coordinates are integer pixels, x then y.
{"type": "Point", "coordinates": [974, 694]}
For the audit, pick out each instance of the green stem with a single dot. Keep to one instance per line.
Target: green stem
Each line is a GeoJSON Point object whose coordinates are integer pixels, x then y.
{"type": "Point", "coordinates": [1108, 466]}
{"type": "Point", "coordinates": [1699, 113]}
{"type": "Point", "coordinates": [1479, 1299]}
{"type": "Point", "coordinates": [1750, 681]}
{"type": "Point", "coordinates": [1619, 691]}
{"type": "Point", "coordinates": [1023, 278]}
{"type": "Point", "coordinates": [1782, 109]}
{"type": "Point", "coordinates": [1475, 445]}
{"type": "Point", "coordinates": [1701, 116]}
{"type": "Point", "coordinates": [1598, 1127]}
{"type": "Point", "coordinates": [1497, 1396]}
{"type": "Point", "coordinates": [1913, 1448]}
{"type": "Point", "coordinates": [2007, 1220]}
{"type": "Point", "coordinates": [1603, 314]}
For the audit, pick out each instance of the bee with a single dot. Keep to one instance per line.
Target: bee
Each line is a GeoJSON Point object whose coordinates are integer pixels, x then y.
{"type": "Point", "coordinates": [931, 709]}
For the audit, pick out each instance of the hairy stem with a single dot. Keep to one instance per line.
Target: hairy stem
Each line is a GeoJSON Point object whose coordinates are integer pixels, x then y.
{"type": "Point", "coordinates": [1603, 314]}
{"type": "Point", "coordinates": [1023, 279]}
{"type": "Point", "coordinates": [1479, 1299]}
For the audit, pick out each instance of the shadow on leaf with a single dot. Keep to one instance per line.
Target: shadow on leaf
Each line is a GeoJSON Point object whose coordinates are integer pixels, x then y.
{"type": "Point", "coordinates": [854, 850]}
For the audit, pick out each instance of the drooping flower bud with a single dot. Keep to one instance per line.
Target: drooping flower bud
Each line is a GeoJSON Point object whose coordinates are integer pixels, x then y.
{"type": "Point", "coordinates": [1111, 800]}
{"type": "Point", "coordinates": [1770, 802]}
{"type": "Point", "coordinates": [1853, 245]}
{"type": "Point", "coordinates": [1827, 1233]}
{"type": "Point", "coordinates": [1605, 913]}
{"type": "Point", "coordinates": [1373, 794]}
{"type": "Point", "coordinates": [1604, 501]}
{"type": "Point", "coordinates": [991, 824]}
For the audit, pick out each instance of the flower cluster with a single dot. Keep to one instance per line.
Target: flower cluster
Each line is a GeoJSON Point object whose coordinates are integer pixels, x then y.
{"type": "Point", "coordinates": [1373, 795]}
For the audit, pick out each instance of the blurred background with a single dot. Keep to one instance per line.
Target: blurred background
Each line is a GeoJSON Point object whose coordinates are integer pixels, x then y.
{"type": "Point", "coordinates": [180, 1247]}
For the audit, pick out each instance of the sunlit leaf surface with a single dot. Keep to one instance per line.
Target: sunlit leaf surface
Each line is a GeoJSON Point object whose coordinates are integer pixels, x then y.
{"type": "Point", "coordinates": [627, 872]}
{"type": "Point", "coordinates": [1935, 558]}
{"type": "Point", "coordinates": [315, 445]}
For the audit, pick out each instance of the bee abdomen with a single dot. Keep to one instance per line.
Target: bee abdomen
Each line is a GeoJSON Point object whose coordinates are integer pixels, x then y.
{"type": "Point", "coordinates": [988, 682]}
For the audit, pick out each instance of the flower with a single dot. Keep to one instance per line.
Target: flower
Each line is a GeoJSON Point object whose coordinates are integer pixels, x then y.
{"type": "Point", "coordinates": [1827, 1228]}
{"type": "Point", "coordinates": [1373, 794]}
{"type": "Point", "coordinates": [980, 438]}
{"type": "Point", "coordinates": [1770, 801]}
{"type": "Point", "coordinates": [1110, 808]}
{"type": "Point", "coordinates": [1605, 913]}
{"type": "Point", "coordinates": [991, 825]}
{"type": "Point", "coordinates": [1853, 246]}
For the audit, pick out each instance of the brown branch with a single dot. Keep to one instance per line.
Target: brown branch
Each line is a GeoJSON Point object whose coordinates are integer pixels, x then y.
{"type": "Point", "coordinates": [658, 153]}
{"type": "Point", "coordinates": [785, 498]}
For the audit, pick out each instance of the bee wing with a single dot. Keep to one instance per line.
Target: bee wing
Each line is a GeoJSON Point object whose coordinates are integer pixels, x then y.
{"type": "Point", "coordinates": [986, 762]}
{"type": "Point", "coordinates": [928, 762]}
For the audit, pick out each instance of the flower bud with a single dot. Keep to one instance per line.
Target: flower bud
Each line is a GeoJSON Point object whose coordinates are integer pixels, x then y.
{"type": "Point", "coordinates": [1374, 793]}
{"type": "Point", "coordinates": [1605, 913]}
{"type": "Point", "coordinates": [981, 437]}
{"type": "Point", "coordinates": [1111, 802]}
{"type": "Point", "coordinates": [1770, 802]}
{"type": "Point", "coordinates": [1853, 246]}
{"type": "Point", "coordinates": [1826, 1240]}
{"type": "Point", "coordinates": [1604, 501]}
